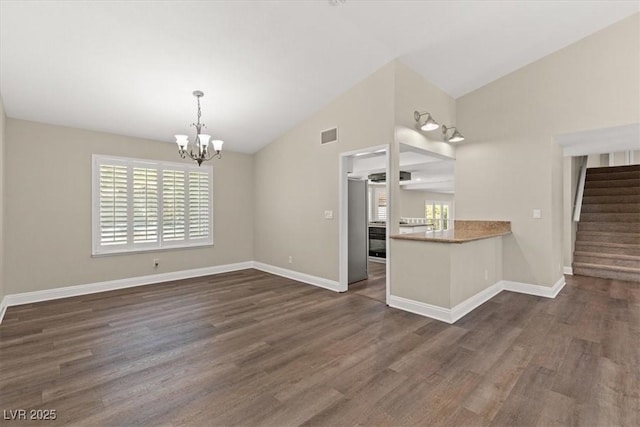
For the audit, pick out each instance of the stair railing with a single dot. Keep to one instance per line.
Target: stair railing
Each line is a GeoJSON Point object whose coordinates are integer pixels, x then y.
{"type": "Point", "coordinates": [577, 206]}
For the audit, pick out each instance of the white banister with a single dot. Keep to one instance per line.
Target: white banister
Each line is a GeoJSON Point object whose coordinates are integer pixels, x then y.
{"type": "Point", "coordinates": [577, 207]}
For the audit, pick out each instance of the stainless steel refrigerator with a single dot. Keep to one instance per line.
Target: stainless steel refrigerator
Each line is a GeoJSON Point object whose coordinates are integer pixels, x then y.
{"type": "Point", "coordinates": [357, 230]}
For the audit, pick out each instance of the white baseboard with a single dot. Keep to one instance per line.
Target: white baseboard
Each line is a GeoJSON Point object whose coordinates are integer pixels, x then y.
{"type": "Point", "coordinates": [452, 315]}
{"type": "Point", "coordinates": [567, 270]}
{"type": "Point", "coordinates": [448, 315]}
{"type": "Point", "coordinates": [421, 308]}
{"type": "Point", "coordinates": [537, 290]}
{"type": "Point", "coordinates": [332, 285]}
{"type": "Point", "coordinates": [110, 285]}
{"type": "Point", "coordinates": [468, 305]}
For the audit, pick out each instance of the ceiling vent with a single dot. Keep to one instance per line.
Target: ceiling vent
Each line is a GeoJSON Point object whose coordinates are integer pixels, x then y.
{"type": "Point", "coordinates": [329, 135]}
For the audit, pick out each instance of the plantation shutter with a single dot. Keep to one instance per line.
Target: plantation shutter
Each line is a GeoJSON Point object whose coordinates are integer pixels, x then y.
{"type": "Point", "coordinates": [199, 205]}
{"type": "Point", "coordinates": [141, 205]}
{"type": "Point", "coordinates": [173, 209]}
{"type": "Point", "coordinates": [113, 205]}
{"type": "Point", "coordinates": [145, 205]}
{"type": "Point", "coordinates": [381, 205]}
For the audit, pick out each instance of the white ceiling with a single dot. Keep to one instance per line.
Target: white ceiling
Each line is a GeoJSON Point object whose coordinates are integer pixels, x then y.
{"type": "Point", "coordinates": [130, 67]}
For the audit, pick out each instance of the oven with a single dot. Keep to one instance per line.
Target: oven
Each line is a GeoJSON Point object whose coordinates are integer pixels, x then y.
{"type": "Point", "coordinates": [378, 242]}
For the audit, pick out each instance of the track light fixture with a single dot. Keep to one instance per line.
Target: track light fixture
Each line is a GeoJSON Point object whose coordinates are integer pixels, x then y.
{"type": "Point", "coordinates": [455, 136]}
{"type": "Point", "coordinates": [429, 123]}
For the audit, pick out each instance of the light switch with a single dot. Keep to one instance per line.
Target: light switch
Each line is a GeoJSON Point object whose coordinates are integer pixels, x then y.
{"type": "Point", "coordinates": [328, 214]}
{"type": "Point", "coordinates": [537, 213]}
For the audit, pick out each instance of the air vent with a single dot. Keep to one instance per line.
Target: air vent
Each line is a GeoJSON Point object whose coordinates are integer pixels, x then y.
{"type": "Point", "coordinates": [329, 135]}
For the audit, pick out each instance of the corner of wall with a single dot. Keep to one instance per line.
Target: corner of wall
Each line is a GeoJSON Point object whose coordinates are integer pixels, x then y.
{"type": "Point", "coordinates": [2, 182]}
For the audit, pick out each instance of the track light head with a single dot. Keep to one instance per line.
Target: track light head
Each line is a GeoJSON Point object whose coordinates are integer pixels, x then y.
{"type": "Point", "coordinates": [429, 124]}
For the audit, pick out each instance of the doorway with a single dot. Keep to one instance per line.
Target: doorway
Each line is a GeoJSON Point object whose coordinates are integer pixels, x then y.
{"type": "Point", "coordinates": [356, 208]}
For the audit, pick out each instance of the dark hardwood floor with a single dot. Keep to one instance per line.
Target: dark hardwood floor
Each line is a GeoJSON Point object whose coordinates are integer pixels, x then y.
{"type": "Point", "coordinates": [375, 286]}
{"type": "Point", "coordinates": [249, 348]}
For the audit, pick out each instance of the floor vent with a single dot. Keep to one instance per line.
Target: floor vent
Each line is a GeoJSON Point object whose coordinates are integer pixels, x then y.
{"type": "Point", "coordinates": [329, 135]}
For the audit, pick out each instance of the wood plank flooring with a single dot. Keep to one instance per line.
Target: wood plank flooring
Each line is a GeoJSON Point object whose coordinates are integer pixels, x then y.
{"type": "Point", "coordinates": [375, 286]}
{"type": "Point", "coordinates": [249, 348]}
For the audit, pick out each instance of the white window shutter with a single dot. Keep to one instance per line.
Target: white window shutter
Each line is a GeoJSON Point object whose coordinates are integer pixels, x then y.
{"type": "Point", "coordinates": [113, 205]}
{"type": "Point", "coordinates": [145, 205]}
{"type": "Point", "coordinates": [141, 205]}
{"type": "Point", "coordinates": [199, 214]}
{"type": "Point", "coordinates": [173, 209]}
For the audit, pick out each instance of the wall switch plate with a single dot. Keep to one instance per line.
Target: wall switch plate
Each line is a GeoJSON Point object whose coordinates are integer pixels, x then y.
{"type": "Point", "coordinates": [537, 213]}
{"type": "Point", "coordinates": [328, 214]}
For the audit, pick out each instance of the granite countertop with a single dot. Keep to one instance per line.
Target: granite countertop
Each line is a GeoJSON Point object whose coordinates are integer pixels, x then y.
{"type": "Point", "coordinates": [463, 231]}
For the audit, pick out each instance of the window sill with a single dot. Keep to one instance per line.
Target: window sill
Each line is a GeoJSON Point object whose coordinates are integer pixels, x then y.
{"type": "Point", "coordinates": [143, 251]}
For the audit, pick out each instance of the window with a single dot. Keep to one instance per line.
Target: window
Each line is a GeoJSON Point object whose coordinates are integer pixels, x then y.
{"type": "Point", "coordinates": [439, 214]}
{"type": "Point", "coordinates": [378, 203]}
{"type": "Point", "coordinates": [143, 205]}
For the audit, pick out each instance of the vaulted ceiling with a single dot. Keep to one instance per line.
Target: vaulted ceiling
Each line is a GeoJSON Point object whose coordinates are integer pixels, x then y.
{"type": "Point", "coordinates": [130, 67]}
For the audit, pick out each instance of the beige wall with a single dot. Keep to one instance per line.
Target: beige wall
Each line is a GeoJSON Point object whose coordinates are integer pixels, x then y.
{"type": "Point", "coordinates": [414, 92]}
{"type": "Point", "coordinates": [48, 209]}
{"type": "Point", "coordinates": [509, 164]}
{"type": "Point", "coordinates": [444, 274]}
{"type": "Point", "coordinates": [296, 178]}
{"type": "Point", "coordinates": [2, 194]}
{"type": "Point", "coordinates": [411, 203]}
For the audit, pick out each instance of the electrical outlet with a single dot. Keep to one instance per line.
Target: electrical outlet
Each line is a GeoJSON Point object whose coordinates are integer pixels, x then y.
{"type": "Point", "coordinates": [328, 214]}
{"type": "Point", "coordinates": [156, 262]}
{"type": "Point", "coordinates": [290, 259]}
{"type": "Point", "coordinates": [537, 213]}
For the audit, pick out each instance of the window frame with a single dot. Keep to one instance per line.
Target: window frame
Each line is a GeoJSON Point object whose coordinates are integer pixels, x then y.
{"type": "Point", "coordinates": [98, 250]}
{"type": "Point", "coordinates": [440, 221]}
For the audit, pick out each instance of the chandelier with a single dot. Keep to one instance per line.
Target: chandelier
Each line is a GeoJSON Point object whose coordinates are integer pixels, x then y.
{"type": "Point", "coordinates": [199, 149]}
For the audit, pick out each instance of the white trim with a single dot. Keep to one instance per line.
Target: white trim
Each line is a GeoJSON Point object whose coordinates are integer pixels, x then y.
{"type": "Point", "coordinates": [343, 237]}
{"type": "Point", "coordinates": [321, 282]}
{"type": "Point", "coordinates": [110, 285]}
{"type": "Point", "coordinates": [567, 270]}
{"type": "Point", "coordinates": [3, 308]}
{"type": "Point", "coordinates": [452, 315]}
{"type": "Point", "coordinates": [448, 315]}
{"type": "Point", "coordinates": [160, 167]}
{"type": "Point", "coordinates": [537, 290]}
{"type": "Point", "coordinates": [604, 140]}
{"type": "Point", "coordinates": [421, 308]}
{"type": "Point", "coordinates": [475, 301]}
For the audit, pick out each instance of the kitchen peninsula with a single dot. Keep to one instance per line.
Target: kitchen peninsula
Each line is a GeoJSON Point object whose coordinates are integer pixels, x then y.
{"type": "Point", "coordinates": [445, 274]}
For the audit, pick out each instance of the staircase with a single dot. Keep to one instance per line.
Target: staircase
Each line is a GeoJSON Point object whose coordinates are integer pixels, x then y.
{"type": "Point", "coordinates": [608, 237]}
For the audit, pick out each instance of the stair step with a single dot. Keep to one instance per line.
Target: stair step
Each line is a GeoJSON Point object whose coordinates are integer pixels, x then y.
{"type": "Point", "coordinates": [612, 183]}
{"type": "Point", "coordinates": [608, 248]}
{"type": "Point", "coordinates": [610, 217]}
{"type": "Point", "coordinates": [623, 198]}
{"type": "Point", "coordinates": [607, 169]}
{"type": "Point", "coordinates": [606, 272]}
{"type": "Point", "coordinates": [607, 237]}
{"type": "Point", "coordinates": [629, 261]}
{"type": "Point", "coordinates": [618, 227]}
{"type": "Point", "coordinates": [612, 175]}
{"type": "Point", "coordinates": [613, 191]}
{"type": "Point", "coordinates": [612, 208]}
